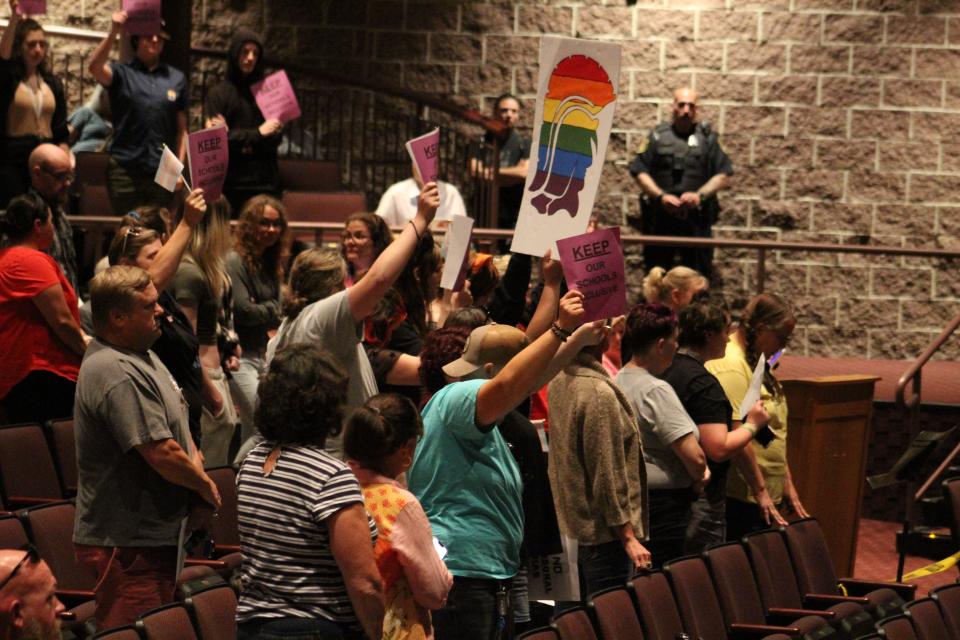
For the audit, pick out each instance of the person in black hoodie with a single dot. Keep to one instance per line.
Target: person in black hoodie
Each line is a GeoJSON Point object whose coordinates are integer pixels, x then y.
{"type": "Point", "coordinates": [253, 140]}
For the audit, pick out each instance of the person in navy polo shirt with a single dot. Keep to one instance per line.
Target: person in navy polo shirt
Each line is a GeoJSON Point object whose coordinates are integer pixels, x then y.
{"type": "Point", "coordinates": [149, 102]}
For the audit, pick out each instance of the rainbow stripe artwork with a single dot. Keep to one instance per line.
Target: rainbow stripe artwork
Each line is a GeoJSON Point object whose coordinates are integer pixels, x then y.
{"type": "Point", "coordinates": [578, 91]}
{"type": "Point", "coordinates": [578, 84]}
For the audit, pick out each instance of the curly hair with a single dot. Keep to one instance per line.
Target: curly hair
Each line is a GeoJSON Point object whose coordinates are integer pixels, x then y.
{"type": "Point", "coordinates": [440, 348]}
{"type": "Point", "coordinates": [768, 311]}
{"type": "Point", "coordinates": [380, 235]}
{"type": "Point", "coordinates": [379, 428]}
{"type": "Point", "coordinates": [697, 320]}
{"type": "Point", "coordinates": [300, 400]}
{"type": "Point", "coordinates": [274, 257]}
{"type": "Point", "coordinates": [647, 323]}
{"type": "Point", "coordinates": [316, 273]}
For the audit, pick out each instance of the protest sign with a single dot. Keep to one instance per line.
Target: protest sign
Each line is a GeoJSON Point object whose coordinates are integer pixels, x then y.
{"type": "Point", "coordinates": [208, 155]}
{"type": "Point", "coordinates": [577, 96]}
{"type": "Point", "coordinates": [143, 17]}
{"type": "Point", "coordinates": [754, 390]}
{"type": "Point", "coordinates": [458, 248]}
{"type": "Point", "coordinates": [31, 7]}
{"type": "Point", "coordinates": [425, 153]}
{"type": "Point", "coordinates": [593, 265]}
{"type": "Point", "coordinates": [275, 97]}
{"type": "Point", "coordinates": [169, 170]}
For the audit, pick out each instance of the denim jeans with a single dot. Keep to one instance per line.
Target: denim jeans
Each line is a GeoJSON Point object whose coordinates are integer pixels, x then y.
{"type": "Point", "coordinates": [477, 609]}
{"type": "Point", "coordinates": [602, 566]}
{"type": "Point", "coordinates": [669, 515]}
{"type": "Point", "coordinates": [708, 523]}
{"type": "Point", "coordinates": [302, 628]}
{"type": "Point", "coordinates": [243, 388]}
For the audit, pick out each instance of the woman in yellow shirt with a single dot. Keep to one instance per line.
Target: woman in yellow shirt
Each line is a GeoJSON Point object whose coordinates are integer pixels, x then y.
{"type": "Point", "coordinates": [761, 481]}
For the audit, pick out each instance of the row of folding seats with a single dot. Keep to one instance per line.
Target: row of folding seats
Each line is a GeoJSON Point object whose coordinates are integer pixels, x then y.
{"type": "Point", "coordinates": [936, 617]}
{"type": "Point", "coordinates": [207, 614]}
{"type": "Point", "coordinates": [38, 464]}
{"type": "Point", "coordinates": [774, 582]}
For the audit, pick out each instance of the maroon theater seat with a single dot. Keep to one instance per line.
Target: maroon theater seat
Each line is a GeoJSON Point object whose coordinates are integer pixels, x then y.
{"type": "Point", "coordinates": [297, 174]}
{"type": "Point", "coordinates": [928, 622]}
{"type": "Point", "coordinates": [896, 628]}
{"type": "Point", "coordinates": [214, 612]}
{"type": "Point", "coordinates": [65, 450]}
{"type": "Point", "coordinates": [169, 622]}
{"type": "Point", "coordinates": [948, 598]}
{"type": "Point", "coordinates": [118, 633]}
{"type": "Point", "coordinates": [26, 467]}
{"type": "Point", "coordinates": [659, 615]}
{"type": "Point", "coordinates": [574, 624]}
{"type": "Point", "coordinates": [543, 633]}
{"type": "Point", "coordinates": [95, 201]}
{"type": "Point", "coordinates": [615, 614]}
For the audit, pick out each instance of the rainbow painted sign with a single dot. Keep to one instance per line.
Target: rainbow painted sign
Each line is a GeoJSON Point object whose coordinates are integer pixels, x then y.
{"type": "Point", "coordinates": [579, 81]}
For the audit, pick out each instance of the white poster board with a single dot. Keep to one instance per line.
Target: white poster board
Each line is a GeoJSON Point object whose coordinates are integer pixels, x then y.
{"type": "Point", "coordinates": [458, 244]}
{"type": "Point", "coordinates": [754, 390]}
{"type": "Point", "coordinates": [578, 87]}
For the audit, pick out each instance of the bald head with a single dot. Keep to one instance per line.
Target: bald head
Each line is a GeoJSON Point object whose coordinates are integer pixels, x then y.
{"type": "Point", "coordinates": [684, 109]}
{"type": "Point", "coordinates": [50, 172]}
{"type": "Point", "coordinates": [29, 608]}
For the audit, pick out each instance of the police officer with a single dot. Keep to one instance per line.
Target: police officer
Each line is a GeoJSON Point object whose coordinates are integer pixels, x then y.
{"type": "Point", "coordinates": [680, 169]}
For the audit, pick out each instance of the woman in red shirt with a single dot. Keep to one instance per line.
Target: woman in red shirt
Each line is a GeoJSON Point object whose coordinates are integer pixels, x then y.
{"type": "Point", "coordinates": [40, 336]}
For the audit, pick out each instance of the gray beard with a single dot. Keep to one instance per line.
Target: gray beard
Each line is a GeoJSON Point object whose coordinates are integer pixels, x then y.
{"type": "Point", "coordinates": [33, 630]}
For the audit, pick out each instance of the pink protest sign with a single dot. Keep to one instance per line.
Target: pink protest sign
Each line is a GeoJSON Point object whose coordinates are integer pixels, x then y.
{"type": "Point", "coordinates": [275, 97]}
{"type": "Point", "coordinates": [424, 151]}
{"type": "Point", "coordinates": [208, 155]}
{"type": "Point", "coordinates": [31, 7]}
{"type": "Point", "coordinates": [143, 17]}
{"type": "Point", "coordinates": [593, 265]}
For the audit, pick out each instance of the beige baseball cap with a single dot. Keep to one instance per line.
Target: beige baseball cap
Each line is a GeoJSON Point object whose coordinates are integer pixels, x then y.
{"type": "Point", "coordinates": [495, 343]}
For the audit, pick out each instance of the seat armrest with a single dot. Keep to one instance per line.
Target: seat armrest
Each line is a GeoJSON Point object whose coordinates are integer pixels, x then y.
{"type": "Point", "coordinates": [799, 613]}
{"type": "Point", "coordinates": [227, 548]}
{"type": "Point", "coordinates": [861, 587]}
{"type": "Point", "coordinates": [750, 631]}
{"type": "Point", "coordinates": [830, 599]}
{"type": "Point", "coordinates": [25, 501]}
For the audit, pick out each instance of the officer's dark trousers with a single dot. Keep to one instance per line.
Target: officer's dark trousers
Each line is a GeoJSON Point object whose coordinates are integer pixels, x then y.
{"type": "Point", "coordinates": [667, 257]}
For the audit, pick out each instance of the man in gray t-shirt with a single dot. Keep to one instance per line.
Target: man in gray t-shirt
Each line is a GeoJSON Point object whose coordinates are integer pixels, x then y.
{"type": "Point", "coordinates": [138, 468]}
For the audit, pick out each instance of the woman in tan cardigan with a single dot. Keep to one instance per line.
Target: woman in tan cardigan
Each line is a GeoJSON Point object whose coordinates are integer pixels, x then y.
{"type": "Point", "coordinates": [597, 472]}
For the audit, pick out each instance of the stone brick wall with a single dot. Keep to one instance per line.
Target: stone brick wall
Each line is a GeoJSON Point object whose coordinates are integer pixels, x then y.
{"type": "Point", "coordinates": [841, 116]}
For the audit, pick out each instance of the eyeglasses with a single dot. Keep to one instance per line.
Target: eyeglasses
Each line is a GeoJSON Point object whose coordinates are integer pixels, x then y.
{"type": "Point", "coordinates": [359, 236]}
{"type": "Point", "coordinates": [60, 176]}
{"type": "Point", "coordinates": [129, 231]}
{"type": "Point", "coordinates": [271, 224]}
{"type": "Point", "coordinates": [33, 555]}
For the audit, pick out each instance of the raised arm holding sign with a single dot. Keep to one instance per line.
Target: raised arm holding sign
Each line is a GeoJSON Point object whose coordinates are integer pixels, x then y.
{"type": "Point", "coordinates": [208, 156]}
{"type": "Point", "coordinates": [275, 97]}
{"type": "Point", "coordinates": [425, 153]}
{"type": "Point", "coordinates": [31, 7]}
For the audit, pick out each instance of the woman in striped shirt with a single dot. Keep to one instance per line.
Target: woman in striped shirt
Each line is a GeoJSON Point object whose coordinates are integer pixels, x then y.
{"type": "Point", "coordinates": [307, 542]}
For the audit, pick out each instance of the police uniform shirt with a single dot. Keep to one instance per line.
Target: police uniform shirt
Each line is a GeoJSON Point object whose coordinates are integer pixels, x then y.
{"type": "Point", "coordinates": [145, 105]}
{"type": "Point", "coordinates": [678, 164]}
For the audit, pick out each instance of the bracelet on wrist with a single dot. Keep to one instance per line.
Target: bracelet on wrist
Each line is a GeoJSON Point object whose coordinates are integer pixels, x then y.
{"type": "Point", "coordinates": [749, 427]}
{"type": "Point", "coordinates": [560, 332]}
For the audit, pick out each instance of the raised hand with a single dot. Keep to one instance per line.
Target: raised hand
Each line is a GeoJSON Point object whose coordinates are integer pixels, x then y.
{"type": "Point", "coordinates": [552, 270]}
{"type": "Point", "coordinates": [571, 311]}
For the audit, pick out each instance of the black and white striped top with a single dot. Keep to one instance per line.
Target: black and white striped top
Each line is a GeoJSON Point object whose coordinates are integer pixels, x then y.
{"type": "Point", "coordinates": [288, 569]}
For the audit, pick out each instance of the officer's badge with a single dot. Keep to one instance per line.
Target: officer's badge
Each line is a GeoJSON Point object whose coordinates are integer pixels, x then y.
{"type": "Point", "coordinates": [692, 140]}
{"type": "Point", "coordinates": [171, 95]}
{"type": "Point", "coordinates": [644, 144]}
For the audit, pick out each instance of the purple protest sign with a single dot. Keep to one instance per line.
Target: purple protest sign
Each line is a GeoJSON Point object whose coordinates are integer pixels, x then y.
{"type": "Point", "coordinates": [208, 155]}
{"type": "Point", "coordinates": [424, 151]}
{"type": "Point", "coordinates": [143, 17]}
{"type": "Point", "coordinates": [275, 97]}
{"type": "Point", "coordinates": [593, 265]}
{"type": "Point", "coordinates": [31, 7]}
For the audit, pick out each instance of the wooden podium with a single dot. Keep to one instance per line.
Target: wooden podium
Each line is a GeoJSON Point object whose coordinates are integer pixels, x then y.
{"type": "Point", "coordinates": [828, 431]}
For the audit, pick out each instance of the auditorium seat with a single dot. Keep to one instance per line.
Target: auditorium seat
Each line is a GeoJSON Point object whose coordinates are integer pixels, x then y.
{"type": "Point", "coordinates": [615, 614]}
{"type": "Point", "coordinates": [27, 473]}
{"type": "Point", "coordinates": [896, 627]}
{"type": "Point", "coordinates": [543, 633]}
{"type": "Point", "coordinates": [777, 583]}
{"type": "Point", "coordinates": [50, 527]}
{"type": "Point", "coordinates": [659, 615]}
{"type": "Point", "coordinates": [740, 600]}
{"type": "Point", "coordinates": [91, 168]}
{"type": "Point", "coordinates": [64, 444]}
{"type": "Point", "coordinates": [213, 612]}
{"type": "Point", "coordinates": [948, 598]}
{"type": "Point", "coordinates": [225, 529]}
{"type": "Point", "coordinates": [574, 624]}
{"type": "Point", "coordinates": [119, 633]}
{"type": "Point", "coordinates": [95, 201]}
{"type": "Point", "coordinates": [169, 622]}
{"type": "Point", "coordinates": [12, 533]}
{"type": "Point", "coordinates": [815, 572]}
{"type": "Point", "coordinates": [298, 174]}
{"type": "Point", "coordinates": [928, 622]}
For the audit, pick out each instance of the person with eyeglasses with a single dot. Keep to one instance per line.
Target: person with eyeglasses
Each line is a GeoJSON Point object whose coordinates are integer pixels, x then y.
{"type": "Point", "coordinates": [149, 102]}
{"type": "Point", "coordinates": [29, 607]}
{"type": "Point", "coordinates": [32, 102]}
{"type": "Point", "coordinates": [256, 269]}
{"type": "Point", "coordinates": [51, 175]}
{"type": "Point", "coordinates": [40, 336]}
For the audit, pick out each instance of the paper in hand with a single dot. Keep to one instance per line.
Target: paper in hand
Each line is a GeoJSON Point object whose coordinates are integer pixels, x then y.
{"type": "Point", "coordinates": [753, 392]}
{"type": "Point", "coordinates": [458, 248]}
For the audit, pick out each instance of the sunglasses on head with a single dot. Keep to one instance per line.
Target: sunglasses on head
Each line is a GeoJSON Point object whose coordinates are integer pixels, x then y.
{"type": "Point", "coordinates": [31, 554]}
{"type": "Point", "coordinates": [130, 231]}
